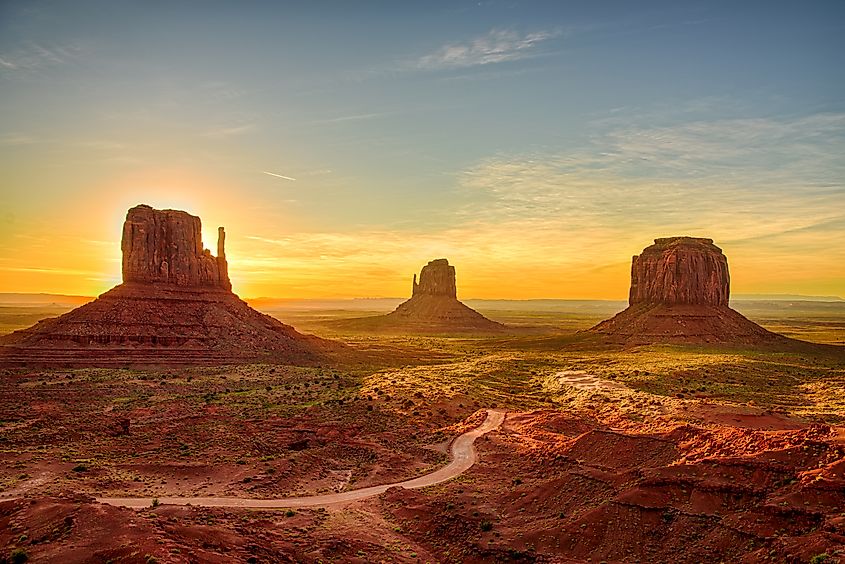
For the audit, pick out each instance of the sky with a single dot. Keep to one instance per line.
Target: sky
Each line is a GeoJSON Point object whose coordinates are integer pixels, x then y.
{"type": "Point", "coordinates": [536, 145]}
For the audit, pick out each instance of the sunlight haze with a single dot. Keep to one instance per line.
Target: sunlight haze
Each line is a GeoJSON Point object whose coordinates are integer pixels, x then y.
{"type": "Point", "coordinates": [537, 145]}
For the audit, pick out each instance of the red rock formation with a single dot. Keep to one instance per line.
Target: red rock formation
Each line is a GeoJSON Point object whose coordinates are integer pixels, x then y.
{"type": "Point", "coordinates": [437, 278]}
{"type": "Point", "coordinates": [680, 270]}
{"type": "Point", "coordinates": [175, 306]}
{"type": "Point", "coordinates": [165, 246]}
{"type": "Point", "coordinates": [680, 288]}
{"type": "Point", "coordinates": [433, 307]}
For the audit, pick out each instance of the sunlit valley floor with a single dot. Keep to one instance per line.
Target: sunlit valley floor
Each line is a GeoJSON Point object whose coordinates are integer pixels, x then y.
{"type": "Point", "coordinates": [637, 454]}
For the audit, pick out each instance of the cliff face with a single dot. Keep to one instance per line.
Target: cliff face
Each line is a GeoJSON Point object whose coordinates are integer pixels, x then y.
{"type": "Point", "coordinates": [437, 278]}
{"type": "Point", "coordinates": [434, 306]}
{"type": "Point", "coordinates": [165, 246]}
{"type": "Point", "coordinates": [680, 270]}
{"type": "Point", "coordinates": [176, 306]}
{"type": "Point", "coordinates": [680, 289]}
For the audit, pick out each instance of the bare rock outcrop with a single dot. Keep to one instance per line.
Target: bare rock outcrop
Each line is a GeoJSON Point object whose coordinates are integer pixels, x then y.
{"type": "Point", "coordinates": [434, 305]}
{"type": "Point", "coordinates": [437, 278]}
{"type": "Point", "coordinates": [165, 246]}
{"type": "Point", "coordinates": [680, 288]}
{"type": "Point", "coordinates": [175, 306]}
{"type": "Point", "coordinates": [680, 270]}
{"type": "Point", "coordinates": [432, 308]}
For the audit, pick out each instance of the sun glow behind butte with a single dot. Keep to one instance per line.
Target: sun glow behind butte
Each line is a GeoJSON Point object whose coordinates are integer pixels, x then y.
{"type": "Point", "coordinates": [338, 167]}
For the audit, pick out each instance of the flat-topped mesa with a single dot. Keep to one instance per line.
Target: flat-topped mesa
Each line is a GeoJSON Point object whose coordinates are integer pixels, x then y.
{"type": "Point", "coordinates": [680, 270]}
{"type": "Point", "coordinates": [437, 278]}
{"type": "Point", "coordinates": [679, 294]}
{"type": "Point", "coordinates": [165, 247]}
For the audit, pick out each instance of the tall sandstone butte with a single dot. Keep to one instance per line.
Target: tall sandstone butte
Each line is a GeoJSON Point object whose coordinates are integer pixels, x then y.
{"type": "Point", "coordinates": [434, 305]}
{"type": "Point", "coordinates": [437, 278]}
{"type": "Point", "coordinates": [165, 246]}
{"type": "Point", "coordinates": [680, 289]}
{"type": "Point", "coordinates": [175, 306]}
{"type": "Point", "coordinates": [680, 270]}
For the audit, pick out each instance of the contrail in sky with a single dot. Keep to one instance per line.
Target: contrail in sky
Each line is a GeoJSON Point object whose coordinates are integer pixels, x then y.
{"type": "Point", "coordinates": [278, 175]}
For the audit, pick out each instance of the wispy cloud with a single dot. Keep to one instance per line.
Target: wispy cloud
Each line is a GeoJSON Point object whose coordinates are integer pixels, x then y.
{"type": "Point", "coordinates": [230, 131]}
{"type": "Point", "coordinates": [354, 117]}
{"type": "Point", "coordinates": [32, 56]}
{"type": "Point", "coordinates": [13, 139]}
{"type": "Point", "coordinates": [727, 168]}
{"type": "Point", "coordinates": [769, 191]}
{"type": "Point", "coordinates": [278, 175]}
{"type": "Point", "coordinates": [773, 190]}
{"type": "Point", "coordinates": [57, 271]}
{"type": "Point", "coordinates": [497, 46]}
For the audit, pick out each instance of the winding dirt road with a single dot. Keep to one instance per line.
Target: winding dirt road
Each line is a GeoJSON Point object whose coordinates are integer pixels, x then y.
{"type": "Point", "coordinates": [463, 457]}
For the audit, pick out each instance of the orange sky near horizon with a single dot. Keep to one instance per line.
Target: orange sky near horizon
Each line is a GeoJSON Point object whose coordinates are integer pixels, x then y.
{"type": "Point", "coordinates": [537, 149]}
{"type": "Point", "coordinates": [76, 250]}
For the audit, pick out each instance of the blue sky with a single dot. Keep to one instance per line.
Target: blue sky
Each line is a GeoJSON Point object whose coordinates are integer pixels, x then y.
{"type": "Point", "coordinates": [556, 138]}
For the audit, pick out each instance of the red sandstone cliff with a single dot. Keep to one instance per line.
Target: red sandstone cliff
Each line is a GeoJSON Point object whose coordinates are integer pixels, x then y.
{"type": "Point", "coordinates": [437, 278]}
{"type": "Point", "coordinates": [680, 270]}
{"type": "Point", "coordinates": [175, 306]}
{"type": "Point", "coordinates": [680, 288]}
{"type": "Point", "coordinates": [165, 246]}
{"type": "Point", "coordinates": [434, 306]}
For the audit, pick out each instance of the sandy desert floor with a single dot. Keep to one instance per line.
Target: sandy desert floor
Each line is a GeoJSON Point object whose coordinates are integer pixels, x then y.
{"type": "Point", "coordinates": [647, 454]}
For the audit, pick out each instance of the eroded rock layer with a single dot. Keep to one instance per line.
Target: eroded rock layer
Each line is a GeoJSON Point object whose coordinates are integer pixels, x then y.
{"type": "Point", "coordinates": [680, 288]}
{"type": "Point", "coordinates": [437, 278]}
{"type": "Point", "coordinates": [680, 270]}
{"type": "Point", "coordinates": [175, 306]}
{"type": "Point", "coordinates": [434, 306]}
{"type": "Point", "coordinates": [165, 246]}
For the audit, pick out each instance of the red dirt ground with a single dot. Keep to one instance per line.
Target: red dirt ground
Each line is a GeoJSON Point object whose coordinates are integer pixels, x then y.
{"type": "Point", "coordinates": [568, 488]}
{"type": "Point", "coordinates": [549, 487]}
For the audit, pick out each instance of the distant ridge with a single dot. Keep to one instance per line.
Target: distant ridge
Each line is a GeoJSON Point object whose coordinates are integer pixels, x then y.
{"type": "Point", "coordinates": [785, 298]}
{"type": "Point", "coordinates": [39, 298]}
{"type": "Point", "coordinates": [7, 298]}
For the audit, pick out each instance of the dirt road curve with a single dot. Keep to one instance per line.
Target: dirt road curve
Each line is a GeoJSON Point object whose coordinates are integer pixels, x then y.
{"type": "Point", "coordinates": [463, 457]}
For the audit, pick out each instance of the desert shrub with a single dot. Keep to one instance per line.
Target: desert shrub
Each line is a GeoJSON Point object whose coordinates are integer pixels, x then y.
{"type": "Point", "coordinates": [155, 502]}
{"type": "Point", "coordinates": [18, 556]}
{"type": "Point", "coordinates": [820, 558]}
{"type": "Point", "coordinates": [486, 526]}
{"type": "Point", "coordinates": [80, 468]}
{"type": "Point", "coordinates": [290, 513]}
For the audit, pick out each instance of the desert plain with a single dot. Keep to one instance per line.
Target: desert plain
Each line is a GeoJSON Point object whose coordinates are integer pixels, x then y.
{"type": "Point", "coordinates": [607, 453]}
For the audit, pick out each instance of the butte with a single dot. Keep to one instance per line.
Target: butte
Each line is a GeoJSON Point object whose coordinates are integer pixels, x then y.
{"type": "Point", "coordinates": [175, 306]}
{"type": "Point", "coordinates": [680, 288]}
{"type": "Point", "coordinates": [434, 305]}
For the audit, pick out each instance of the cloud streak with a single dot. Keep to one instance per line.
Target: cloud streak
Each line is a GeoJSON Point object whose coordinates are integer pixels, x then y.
{"type": "Point", "coordinates": [233, 131]}
{"type": "Point", "coordinates": [278, 175]}
{"type": "Point", "coordinates": [32, 56]}
{"type": "Point", "coordinates": [497, 46]}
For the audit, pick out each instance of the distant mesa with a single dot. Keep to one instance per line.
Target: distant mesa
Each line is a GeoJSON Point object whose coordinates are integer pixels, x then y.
{"type": "Point", "coordinates": [434, 304]}
{"type": "Point", "coordinates": [175, 306]}
{"type": "Point", "coordinates": [680, 289]}
{"type": "Point", "coordinates": [437, 278]}
{"type": "Point", "coordinates": [432, 308]}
